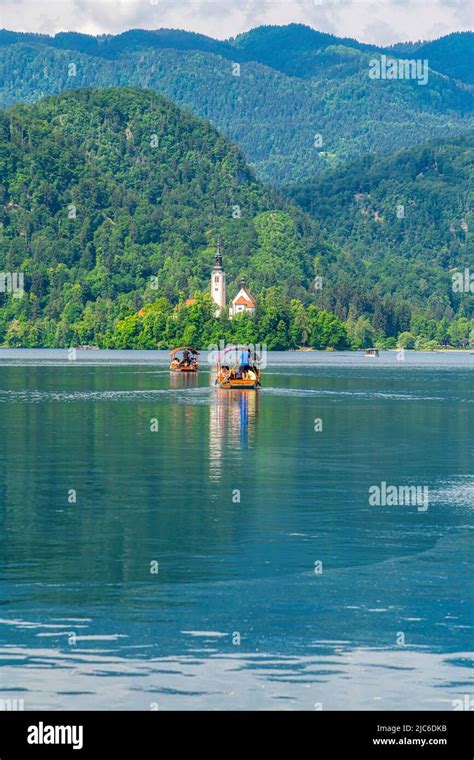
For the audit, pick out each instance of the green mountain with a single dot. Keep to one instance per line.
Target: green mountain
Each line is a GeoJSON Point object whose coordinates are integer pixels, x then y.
{"type": "Point", "coordinates": [295, 49]}
{"type": "Point", "coordinates": [403, 224]}
{"type": "Point", "coordinates": [451, 55]}
{"type": "Point", "coordinates": [301, 102]}
{"type": "Point", "coordinates": [115, 46]}
{"type": "Point", "coordinates": [299, 51]}
{"type": "Point", "coordinates": [292, 49]}
{"type": "Point", "coordinates": [111, 198]}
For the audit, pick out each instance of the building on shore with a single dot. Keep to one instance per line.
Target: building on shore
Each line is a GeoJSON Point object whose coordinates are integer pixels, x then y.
{"type": "Point", "coordinates": [242, 302]}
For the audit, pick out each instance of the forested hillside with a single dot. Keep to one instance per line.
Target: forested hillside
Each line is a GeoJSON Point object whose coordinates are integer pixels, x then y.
{"type": "Point", "coordinates": [113, 198]}
{"type": "Point", "coordinates": [300, 102]}
{"type": "Point", "coordinates": [451, 55]}
{"type": "Point", "coordinates": [112, 201]}
{"type": "Point", "coordinates": [404, 224]}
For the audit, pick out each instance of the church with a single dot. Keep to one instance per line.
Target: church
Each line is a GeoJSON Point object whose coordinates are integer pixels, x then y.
{"type": "Point", "coordinates": [243, 301]}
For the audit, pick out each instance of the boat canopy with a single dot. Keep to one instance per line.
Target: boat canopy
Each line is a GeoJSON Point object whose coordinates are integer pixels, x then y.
{"type": "Point", "coordinates": [184, 348]}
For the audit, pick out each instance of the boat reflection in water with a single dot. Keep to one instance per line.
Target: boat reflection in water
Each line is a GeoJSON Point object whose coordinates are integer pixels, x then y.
{"type": "Point", "coordinates": [232, 426]}
{"type": "Point", "coordinates": [184, 379]}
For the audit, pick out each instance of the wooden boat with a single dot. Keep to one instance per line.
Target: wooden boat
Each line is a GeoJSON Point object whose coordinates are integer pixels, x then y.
{"type": "Point", "coordinates": [234, 377]}
{"type": "Point", "coordinates": [371, 352]}
{"type": "Point", "coordinates": [184, 359]}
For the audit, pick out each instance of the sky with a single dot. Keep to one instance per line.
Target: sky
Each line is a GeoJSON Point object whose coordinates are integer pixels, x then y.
{"type": "Point", "coordinates": [377, 21]}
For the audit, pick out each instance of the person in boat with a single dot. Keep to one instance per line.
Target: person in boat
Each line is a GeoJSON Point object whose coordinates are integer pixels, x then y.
{"type": "Point", "coordinates": [244, 362]}
{"type": "Point", "coordinates": [186, 358]}
{"type": "Point", "coordinates": [251, 374]}
{"type": "Point", "coordinates": [175, 362]}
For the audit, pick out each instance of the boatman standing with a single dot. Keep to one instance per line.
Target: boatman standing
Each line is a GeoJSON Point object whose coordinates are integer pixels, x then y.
{"type": "Point", "coordinates": [245, 361]}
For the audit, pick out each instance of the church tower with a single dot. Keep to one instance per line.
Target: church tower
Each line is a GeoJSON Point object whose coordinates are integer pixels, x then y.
{"type": "Point", "coordinates": [218, 281]}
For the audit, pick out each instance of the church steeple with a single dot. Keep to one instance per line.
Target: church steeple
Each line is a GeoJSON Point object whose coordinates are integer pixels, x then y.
{"type": "Point", "coordinates": [218, 280]}
{"type": "Point", "coordinates": [218, 258]}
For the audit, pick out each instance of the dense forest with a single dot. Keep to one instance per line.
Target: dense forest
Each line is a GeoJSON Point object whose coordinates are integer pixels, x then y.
{"type": "Point", "coordinates": [451, 55]}
{"type": "Point", "coordinates": [403, 224]}
{"type": "Point", "coordinates": [113, 198]}
{"type": "Point", "coordinates": [112, 202]}
{"type": "Point", "coordinates": [293, 49]}
{"type": "Point", "coordinates": [296, 101]}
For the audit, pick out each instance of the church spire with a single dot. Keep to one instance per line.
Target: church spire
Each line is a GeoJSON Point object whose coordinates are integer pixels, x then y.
{"type": "Point", "coordinates": [218, 258]}
{"type": "Point", "coordinates": [218, 281]}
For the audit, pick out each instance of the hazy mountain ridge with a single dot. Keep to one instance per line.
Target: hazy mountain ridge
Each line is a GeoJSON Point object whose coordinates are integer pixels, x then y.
{"type": "Point", "coordinates": [273, 115]}
{"type": "Point", "coordinates": [280, 47]}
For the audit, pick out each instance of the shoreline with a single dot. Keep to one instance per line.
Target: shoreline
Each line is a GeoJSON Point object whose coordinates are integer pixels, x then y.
{"type": "Point", "coordinates": [310, 351]}
{"type": "Point", "coordinates": [312, 358]}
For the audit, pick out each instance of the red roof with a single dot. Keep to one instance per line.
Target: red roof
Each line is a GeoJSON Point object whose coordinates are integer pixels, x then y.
{"type": "Point", "coordinates": [242, 301]}
{"type": "Point", "coordinates": [246, 299]}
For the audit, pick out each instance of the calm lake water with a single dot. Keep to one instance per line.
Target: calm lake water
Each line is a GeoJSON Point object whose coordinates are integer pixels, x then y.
{"type": "Point", "coordinates": [232, 501]}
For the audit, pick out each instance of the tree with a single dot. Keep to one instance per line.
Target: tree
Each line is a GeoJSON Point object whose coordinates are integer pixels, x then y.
{"type": "Point", "coordinates": [442, 334]}
{"type": "Point", "coordinates": [128, 331]}
{"type": "Point", "coordinates": [459, 332]}
{"type": "Point", "coordinates": [361, 333]}
{"type": "Point", "coordinates": [327, 330]}
{"type": "Point", "coordinates": [301, 326]}
{"type": "Point", "coordinates": [279, 340]}
{"type": "Point", "coordinates": [15, 334]}
{"type": "Point", "coordinates": [406, 340]}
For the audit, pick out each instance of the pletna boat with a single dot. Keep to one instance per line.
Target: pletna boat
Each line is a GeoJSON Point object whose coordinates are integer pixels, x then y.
{"type": "Point", "coordinates": [184, 359]}
{"type": "Point", "coordinates": [231, 374]}
{"type": "Point", "coordinates": [371, 352]}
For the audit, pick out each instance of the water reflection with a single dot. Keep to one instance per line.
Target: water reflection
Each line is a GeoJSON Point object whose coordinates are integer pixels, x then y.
{"type": "Point", "coordinates": [233, 418]}
{"type": "Point", "coordinates": [350, 678]}
{"type": "Point", "coordinates": [184, 379]}
{"type": "Point", "coordinates": [164, 493]}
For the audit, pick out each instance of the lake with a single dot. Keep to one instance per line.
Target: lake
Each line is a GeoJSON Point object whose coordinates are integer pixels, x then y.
{"type": "Point", "coordinates": [167, 545]}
